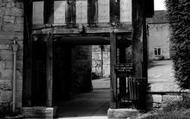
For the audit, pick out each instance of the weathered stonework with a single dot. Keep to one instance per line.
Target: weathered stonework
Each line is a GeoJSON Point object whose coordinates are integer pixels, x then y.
{"type": "Point", "coordinates": [11, 26]}
{"type": "Point", "coordinates": [97, 58]}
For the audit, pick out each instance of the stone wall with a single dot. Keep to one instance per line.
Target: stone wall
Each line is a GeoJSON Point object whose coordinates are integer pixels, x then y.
{"type": "Point", "coordinates": [96, 60]}
{"type": "Point", "coordinates": [11, 26]}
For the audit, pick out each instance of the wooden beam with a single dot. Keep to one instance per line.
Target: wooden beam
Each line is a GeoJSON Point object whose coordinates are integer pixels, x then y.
{"type": "Point", "coordinates": [83, 40]}
{"type": "Point", "coordinates": [27, 61]}
{"type": "Point", "coordinates": [49, 19]}
{"type": "Point", "coordinates": [49, 71]}
{"type": "Point", "coordinates": [48, 11]}
{"type": "Point", "coordinates": [137, 37]}
{"type": "Point", "coordinates": [113, 73]}
{"type": "Point", "coordinates": [139, 46]}
{"type": "Point", "coordinates": [63, 30]}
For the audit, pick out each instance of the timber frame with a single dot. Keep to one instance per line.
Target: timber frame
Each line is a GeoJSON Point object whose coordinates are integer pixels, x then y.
{"type": "Point", "coordinates": [134, 33]}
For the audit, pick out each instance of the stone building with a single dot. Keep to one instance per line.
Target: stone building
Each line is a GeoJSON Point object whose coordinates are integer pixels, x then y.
{"type": "Point", "coordinates": [11, 28]}
{"type": "Point", "coordinates": [158, 36]}
{"type": "Point", "coordinates": [44, 46]}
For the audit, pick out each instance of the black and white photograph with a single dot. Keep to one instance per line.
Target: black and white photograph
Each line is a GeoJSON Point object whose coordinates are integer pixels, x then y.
{"type": "Point", "coordinates": [94, 59]}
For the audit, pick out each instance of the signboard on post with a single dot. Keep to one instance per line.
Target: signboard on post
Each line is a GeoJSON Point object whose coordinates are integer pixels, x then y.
{"type": "Point", "coordinates": [124, 69]}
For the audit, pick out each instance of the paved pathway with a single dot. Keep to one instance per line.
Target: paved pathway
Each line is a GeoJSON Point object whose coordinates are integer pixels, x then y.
{"type": "Point", "coordinates": [92, 105]}
{"type": "Point", "coordinates": [101, 83]}
{"type": "Point", "coordinates": [161, 76]}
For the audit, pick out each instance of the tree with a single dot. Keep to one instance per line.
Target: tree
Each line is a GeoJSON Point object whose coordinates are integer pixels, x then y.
{"type": "Point", "coordinates": [179, 18]}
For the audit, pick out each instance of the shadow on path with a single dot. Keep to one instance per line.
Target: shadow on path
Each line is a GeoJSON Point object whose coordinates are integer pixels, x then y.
{"type": "Point", "coordinates": [87, 105]}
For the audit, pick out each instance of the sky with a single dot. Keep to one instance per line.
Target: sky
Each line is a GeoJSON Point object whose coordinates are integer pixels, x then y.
{"type": "Point", "coordinates": [159, 5]}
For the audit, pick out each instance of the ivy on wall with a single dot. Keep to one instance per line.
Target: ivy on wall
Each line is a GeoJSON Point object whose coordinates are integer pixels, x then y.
{"type": "Point", "coordinates": [179, 18]}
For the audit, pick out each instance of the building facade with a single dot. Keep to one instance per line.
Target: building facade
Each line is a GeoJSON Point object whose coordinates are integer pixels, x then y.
{"type": "Point", "coordinates": [44, 46]}
{"type": "Point", "coordinates": [158, 36]}
{"type": "Point", "coordinates": [11, 29]}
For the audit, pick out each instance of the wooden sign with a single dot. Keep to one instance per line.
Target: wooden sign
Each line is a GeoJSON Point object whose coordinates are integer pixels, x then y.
{"type": "Point", "coordinates": [59, 12]}
{"type": "Point", "coordinates": [126, 11]}
{"type": "Point", "coordinates": [38, 13]}
{"type": "Point", "coordinates": [103, 11]}
{"type": "Point", "coordinates": [124, 69]}
{"type": "Point", "coordinates": [81, 11]}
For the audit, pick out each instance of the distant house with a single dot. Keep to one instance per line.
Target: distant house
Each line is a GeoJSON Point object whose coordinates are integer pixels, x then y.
{"type": "Point", "coordinates": [158, 36]}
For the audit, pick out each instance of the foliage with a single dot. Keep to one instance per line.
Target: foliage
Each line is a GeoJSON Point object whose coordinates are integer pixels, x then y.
{"type": "Point", "coordinates": [179, 18]}
{"type": "Point", "coordinates": [178, 104]}
{"type": "Point", "coordinates": [170, 115]}
{"type": "Point", "coordinates": [174, 110]}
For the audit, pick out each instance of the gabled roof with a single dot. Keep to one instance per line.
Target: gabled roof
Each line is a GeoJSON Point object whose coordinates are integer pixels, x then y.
{"type": "Point", "coordinates": [160, 16]}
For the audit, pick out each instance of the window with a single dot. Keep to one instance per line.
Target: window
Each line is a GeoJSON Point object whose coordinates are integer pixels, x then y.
{"type": "Point", "coordinates": [157, 51]}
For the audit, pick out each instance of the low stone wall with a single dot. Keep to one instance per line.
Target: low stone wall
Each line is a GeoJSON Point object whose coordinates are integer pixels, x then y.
{"type": "Point", "coordinates": [38, 112]}
{"type": "Point", "coordinates": [125, 113]}
{"type": "Point", "coordinates": [11, 26]}
{"type": "Point", "coordinates": [159, 100]}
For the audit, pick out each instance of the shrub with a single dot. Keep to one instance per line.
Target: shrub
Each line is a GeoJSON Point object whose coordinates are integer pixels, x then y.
{"type": "Point", "coordinates": [169, 115]}
{"type": "Point", "coordinates": [178, 105]}
{"type": "Point", "coordinates": [179, 18]}
{"type": "Point", "coordinates": [174, 110]}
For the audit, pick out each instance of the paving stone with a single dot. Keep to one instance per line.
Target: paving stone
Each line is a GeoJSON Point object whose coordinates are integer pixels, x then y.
{"type": "Point", "coordinates": [38, 112]}
{"type": "Point", "coordinates": [122, 113]}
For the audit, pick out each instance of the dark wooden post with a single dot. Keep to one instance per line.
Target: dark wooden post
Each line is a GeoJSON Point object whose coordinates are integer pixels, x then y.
{"type": "Point", "coordinates": [92, 12]}
{"type": "Point", "coordinates": [113, 73]}
{"type": "Point", "coordinates": [139, 40]}
{"type": "Point", "coordinates": [49, 71]}
{"type": "Point", "coordinates": [102, 60]}
{"type": "Point", "coordinates": [48, 19]}
{"type": "Point", "coordinates": [27, 65]}
{"type": "Point", "coordinates": [122, 80]}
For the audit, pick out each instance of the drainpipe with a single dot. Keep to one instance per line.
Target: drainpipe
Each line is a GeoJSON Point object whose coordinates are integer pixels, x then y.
{"type": "Point", "coordinates": [14, 47]}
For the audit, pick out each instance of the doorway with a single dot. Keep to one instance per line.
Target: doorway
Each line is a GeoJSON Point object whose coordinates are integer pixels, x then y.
{"type": "Point", "coordinates": [74, 93]}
